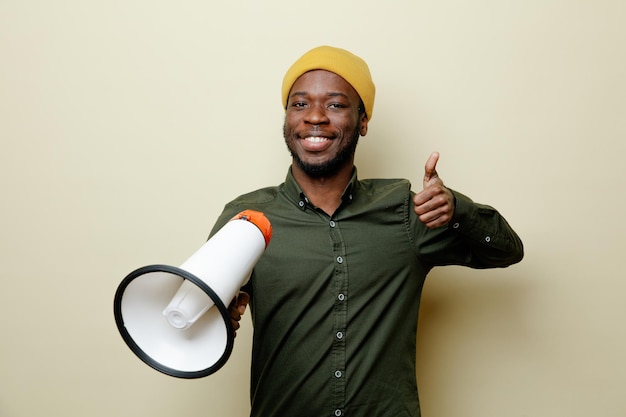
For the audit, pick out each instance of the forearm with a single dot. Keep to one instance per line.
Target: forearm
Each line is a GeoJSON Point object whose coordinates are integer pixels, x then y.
{"type": "Point", "coordinates": [477, 236]}
{"type": "Point", "coordinates": [491, 240]}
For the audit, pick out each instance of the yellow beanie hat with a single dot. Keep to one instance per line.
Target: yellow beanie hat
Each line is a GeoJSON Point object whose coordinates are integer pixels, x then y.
{"type": "Point", "coordinates": [339, 61]}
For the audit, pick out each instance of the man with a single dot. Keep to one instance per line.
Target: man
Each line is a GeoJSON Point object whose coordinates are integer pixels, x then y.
{"type": "Point", "coordinates": [335, 297]}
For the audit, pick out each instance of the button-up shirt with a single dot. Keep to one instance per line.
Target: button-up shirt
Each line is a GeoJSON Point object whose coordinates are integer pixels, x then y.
{"type": "Point", "coordinates": [335, 299]}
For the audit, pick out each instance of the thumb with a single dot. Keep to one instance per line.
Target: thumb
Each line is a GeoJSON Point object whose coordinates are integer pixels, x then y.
{"type": "Point", "coordinates": [430, 169]}
{"type": "Point", "coordinates": [243, 299]}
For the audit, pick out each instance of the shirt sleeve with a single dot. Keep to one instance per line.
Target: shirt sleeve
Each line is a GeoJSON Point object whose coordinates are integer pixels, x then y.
{"type": "Point", "coordinates": [230, 211]}
{"type": "Point", "coordinates": [478, 236]}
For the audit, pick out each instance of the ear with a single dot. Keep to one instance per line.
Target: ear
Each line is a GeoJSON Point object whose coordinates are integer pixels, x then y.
{"type": "Point", "coordinates": [363, 124]}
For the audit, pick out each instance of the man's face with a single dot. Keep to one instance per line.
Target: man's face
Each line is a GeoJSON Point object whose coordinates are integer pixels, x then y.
{"type": "Point", "coordinates": [323, 123]}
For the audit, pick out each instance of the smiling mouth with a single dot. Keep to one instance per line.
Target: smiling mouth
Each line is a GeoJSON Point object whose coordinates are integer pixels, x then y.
{"type": "Point", "coordinates": [316, 139]}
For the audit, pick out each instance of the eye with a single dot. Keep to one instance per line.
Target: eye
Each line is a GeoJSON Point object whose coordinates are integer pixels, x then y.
{"type": "Point", "coordinates": [298, 104]}
{"type": "Point", "coordinates": [336, 106]}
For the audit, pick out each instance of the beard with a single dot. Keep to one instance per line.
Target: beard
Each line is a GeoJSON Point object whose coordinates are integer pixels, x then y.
{"type": "Point", "coordinates": [332, 166]}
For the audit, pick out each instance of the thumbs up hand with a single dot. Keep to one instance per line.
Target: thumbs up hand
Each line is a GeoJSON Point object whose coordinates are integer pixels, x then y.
{"type": "Point", "coordinates": [434, 205]}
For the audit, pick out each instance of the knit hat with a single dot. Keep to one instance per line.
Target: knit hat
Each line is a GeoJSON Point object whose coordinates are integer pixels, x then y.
{"type": "Point", "coordinates": [339, 61]}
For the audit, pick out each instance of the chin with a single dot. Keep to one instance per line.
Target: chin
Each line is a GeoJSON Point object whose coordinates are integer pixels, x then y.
{"type": "Point", "coordinates": [321, 169]}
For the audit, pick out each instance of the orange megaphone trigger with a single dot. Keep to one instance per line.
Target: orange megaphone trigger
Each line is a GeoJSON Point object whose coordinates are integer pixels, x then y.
{"type": "Point", "coordinates": [259, 220]}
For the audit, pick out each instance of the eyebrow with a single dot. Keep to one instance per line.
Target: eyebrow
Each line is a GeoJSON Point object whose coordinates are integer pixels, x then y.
{"type": "Point", "coordinates": [330, 94]}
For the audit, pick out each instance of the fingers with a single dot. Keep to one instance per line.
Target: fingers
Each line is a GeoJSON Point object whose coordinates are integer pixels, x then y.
{"type": "Point", "coordinates": [434, 206]}
{"type": "Point", "coordinates": [237, 308]}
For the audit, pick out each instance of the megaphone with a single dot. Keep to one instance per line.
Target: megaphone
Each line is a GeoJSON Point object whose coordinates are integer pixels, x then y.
{"type": "Point", "coordinates": [176, 319]}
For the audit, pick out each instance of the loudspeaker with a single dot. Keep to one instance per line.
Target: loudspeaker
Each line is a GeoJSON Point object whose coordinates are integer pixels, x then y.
{"type": "Point", "coordinates": [176, 319]}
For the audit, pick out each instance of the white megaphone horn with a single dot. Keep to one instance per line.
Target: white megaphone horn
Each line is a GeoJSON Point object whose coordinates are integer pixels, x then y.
{"type": "Point", "coordinates": [167, 315]}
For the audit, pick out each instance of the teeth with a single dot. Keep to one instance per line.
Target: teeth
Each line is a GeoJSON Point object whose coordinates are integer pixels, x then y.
{"type": "Point", "coordinates": [316, 139]}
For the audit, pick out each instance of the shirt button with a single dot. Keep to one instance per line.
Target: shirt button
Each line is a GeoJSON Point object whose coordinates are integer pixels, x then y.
{"type": "Point", "coordinates": [341, 297]}
{"type": "Point", "coordinates": [339, 259]}
{"type": "Point", "coordinates": [338, 413]}
{"type": "Point", "coordinates": [455, 226]}
{"type": "Point", "coordinates": [332, 223]}
{"type": "Point", "coordinates": [338, 374]}
{"type": "Point", "coordinates": [339, 335]}
{"type": "Point", "coordinates": [487, 239]}
{"type": "Point", "coordinates": [301, 203]}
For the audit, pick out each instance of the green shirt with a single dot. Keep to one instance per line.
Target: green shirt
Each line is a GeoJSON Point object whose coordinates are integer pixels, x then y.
{"type": "Point", "coordinates": [335, 300]}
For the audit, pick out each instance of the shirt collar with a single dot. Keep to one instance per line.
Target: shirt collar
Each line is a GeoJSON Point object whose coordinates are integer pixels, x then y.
{"type": "Point", "coordinates": [295, 193]}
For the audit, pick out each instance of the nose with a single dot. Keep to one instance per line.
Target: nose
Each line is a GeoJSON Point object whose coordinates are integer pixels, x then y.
{"type": "Point", "coordinates": [316, 115]}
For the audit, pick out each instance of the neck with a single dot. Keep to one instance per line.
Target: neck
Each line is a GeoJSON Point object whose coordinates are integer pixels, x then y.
{"type": "Point", "coordinates": [324, 192]}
